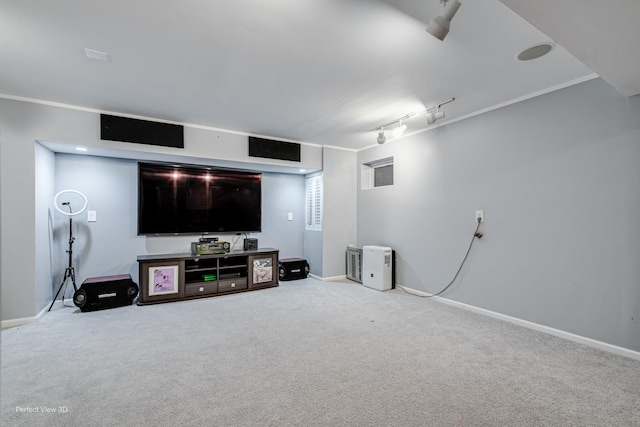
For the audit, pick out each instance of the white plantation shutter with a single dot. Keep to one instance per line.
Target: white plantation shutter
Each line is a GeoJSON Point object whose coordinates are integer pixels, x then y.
{"type": "Point", "coordinates": [313, 205]}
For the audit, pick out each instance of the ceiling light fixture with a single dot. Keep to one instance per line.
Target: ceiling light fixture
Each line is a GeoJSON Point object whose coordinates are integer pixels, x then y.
{"type": "Point", "coordinates": [402, 127]}
{"type": "Point", "coordinates": [439, 26]}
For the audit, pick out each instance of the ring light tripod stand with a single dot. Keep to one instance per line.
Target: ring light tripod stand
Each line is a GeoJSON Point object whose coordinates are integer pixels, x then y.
{"type": "Point", "coordinates": [69, 272]}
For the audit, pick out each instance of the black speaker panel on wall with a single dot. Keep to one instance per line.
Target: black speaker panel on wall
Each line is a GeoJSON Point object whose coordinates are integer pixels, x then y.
{"type": "Point", "coordinates": [125, 129]}
{"type": "Point", "coordinates": [271, 149]}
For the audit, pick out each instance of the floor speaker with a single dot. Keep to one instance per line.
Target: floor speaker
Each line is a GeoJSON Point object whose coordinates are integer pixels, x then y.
{"type": "Point", "coordinates": [98, 293]}
{"type": "Point", "coordinates": [293, 268]}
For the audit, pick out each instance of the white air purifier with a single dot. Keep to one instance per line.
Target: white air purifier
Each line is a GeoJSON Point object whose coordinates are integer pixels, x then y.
{"type": "Point", "coordinates": [377, 267]}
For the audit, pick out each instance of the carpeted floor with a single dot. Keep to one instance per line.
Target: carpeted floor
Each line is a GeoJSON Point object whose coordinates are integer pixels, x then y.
{"type": "Point", "coordinates": [306, 353]}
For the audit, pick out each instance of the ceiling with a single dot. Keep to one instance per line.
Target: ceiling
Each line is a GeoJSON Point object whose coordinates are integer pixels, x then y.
{"type": "Point", "coordinates": [317, 71]}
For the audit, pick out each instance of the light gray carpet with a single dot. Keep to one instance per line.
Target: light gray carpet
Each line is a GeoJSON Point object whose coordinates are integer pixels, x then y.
{"type": "Point", "coordinates": [306, 353]}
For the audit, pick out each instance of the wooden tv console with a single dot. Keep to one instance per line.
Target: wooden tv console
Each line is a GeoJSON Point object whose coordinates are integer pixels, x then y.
{"type": "Point", "coordinates": [175, 277]}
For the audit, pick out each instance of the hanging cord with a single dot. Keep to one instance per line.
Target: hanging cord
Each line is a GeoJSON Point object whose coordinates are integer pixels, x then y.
{"type": "Point", "coordinates": [237, 239]}
{"type": "Point", "coordinates": [476, 234]}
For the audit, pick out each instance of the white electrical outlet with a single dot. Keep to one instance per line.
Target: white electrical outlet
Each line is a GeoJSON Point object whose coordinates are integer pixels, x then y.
{"type": "Point", "coordinates": [479, 216]}
{"type": "Point", "coordinates": [290, 216]}
{"type": "Point", "coordinates": [91, 216]}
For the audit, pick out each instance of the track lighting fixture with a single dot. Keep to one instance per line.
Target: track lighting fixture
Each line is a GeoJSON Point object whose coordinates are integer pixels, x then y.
{"type": "Point", "coordinates": [439, 26]}
{"type": "Point", "coordinates": [398, 131]}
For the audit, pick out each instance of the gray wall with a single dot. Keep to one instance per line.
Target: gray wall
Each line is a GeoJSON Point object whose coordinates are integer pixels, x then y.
{"type": "Point", "coordinates": [339, 209]}
{"type": "Point", "coordinates": [558, 179]}
{"type": "Point", "coordinates": [282, 194]}
{"type": "Point", "coordinates": [312, 251]}
{"type": "Point", "coordinates": [110, 245]}
{"type": "Point", "coordinates": [325, 249]}
{"type": "Point", "coordinates": [45, 191]}
{"type": "Point", "coordinates": [17, 212]}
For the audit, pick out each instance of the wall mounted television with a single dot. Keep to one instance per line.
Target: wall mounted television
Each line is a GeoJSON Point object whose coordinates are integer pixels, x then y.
{"type": "Point", "coordinates": [186, 199]}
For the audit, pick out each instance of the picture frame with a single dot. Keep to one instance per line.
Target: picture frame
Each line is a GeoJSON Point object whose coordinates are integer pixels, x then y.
{"type": "Point", "coordinates": [262, 269]}
{"type": "Point", "coordinates": [163, 280]}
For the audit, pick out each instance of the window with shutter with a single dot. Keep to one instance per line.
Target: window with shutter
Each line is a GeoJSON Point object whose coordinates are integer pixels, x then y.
{"type": "Point", "coordinates": [313, 205]}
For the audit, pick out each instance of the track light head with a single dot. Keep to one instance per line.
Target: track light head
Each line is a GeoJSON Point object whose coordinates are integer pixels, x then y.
{"type": "Point", "coordinates": [397, 132]}
{"type": "Point", "coordinates": [381, 138]}
{"type": "Point", "coordinates": [434, 116]}
{"type": "Point", "coordinates": [439, 26]}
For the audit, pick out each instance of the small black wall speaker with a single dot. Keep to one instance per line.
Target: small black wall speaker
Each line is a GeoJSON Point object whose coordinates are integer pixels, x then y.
{"type": "Point", "coordinates": [293, 268]}
{"type": "Point", "coordinates": [98, 293]}
{"type": "Point", "coordinates": [124, 129]}
{"type": "Point", "coordinates": [250, 244]}
{"type": "Point", "coordinates": [271, 149]}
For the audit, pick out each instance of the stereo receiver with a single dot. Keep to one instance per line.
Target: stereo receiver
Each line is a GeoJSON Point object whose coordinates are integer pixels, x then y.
{"type": "Point", "coordinates": [207, 248]}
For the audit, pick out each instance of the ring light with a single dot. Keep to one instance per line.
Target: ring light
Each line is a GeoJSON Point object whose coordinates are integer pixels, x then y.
{"type": "Point", "coordinates": [84, 207]}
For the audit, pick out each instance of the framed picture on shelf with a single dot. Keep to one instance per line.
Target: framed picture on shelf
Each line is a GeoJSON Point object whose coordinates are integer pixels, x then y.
{"type": "Point", "coordinates": [163, 280]}
{"type": "Point", "coordinates": [263, 270]}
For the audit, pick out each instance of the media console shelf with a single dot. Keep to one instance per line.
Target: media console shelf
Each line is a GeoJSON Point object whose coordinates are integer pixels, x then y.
{"type": "Point", "coordinates": [174, 277]}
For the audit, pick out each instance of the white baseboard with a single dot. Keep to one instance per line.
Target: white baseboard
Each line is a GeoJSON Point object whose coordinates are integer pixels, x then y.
{"type": "Point", "coordinates": [620, 351]}
{"type": "Point", "coordinates": [331, 279]}
{"type": "Point", "coordinates": [13, 323]}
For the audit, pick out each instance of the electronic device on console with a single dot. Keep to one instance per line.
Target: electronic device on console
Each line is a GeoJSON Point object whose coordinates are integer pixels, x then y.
{"type": "Point", "coordinates": [208, 239]}
{"type": "Point", "coordinates": [208, 248]}
{"type": "Point", "coordinates": [250, 244]}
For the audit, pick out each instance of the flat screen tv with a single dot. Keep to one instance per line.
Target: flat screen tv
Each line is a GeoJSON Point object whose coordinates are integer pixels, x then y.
{"type": "Point", "coordinates": [197, 200]}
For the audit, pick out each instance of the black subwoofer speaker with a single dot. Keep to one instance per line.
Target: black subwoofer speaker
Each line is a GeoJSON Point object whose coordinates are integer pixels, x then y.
{"type": "Point", "coordinates": [293, 268]}
{"type": "Point", "coordinates": [98, 293]}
